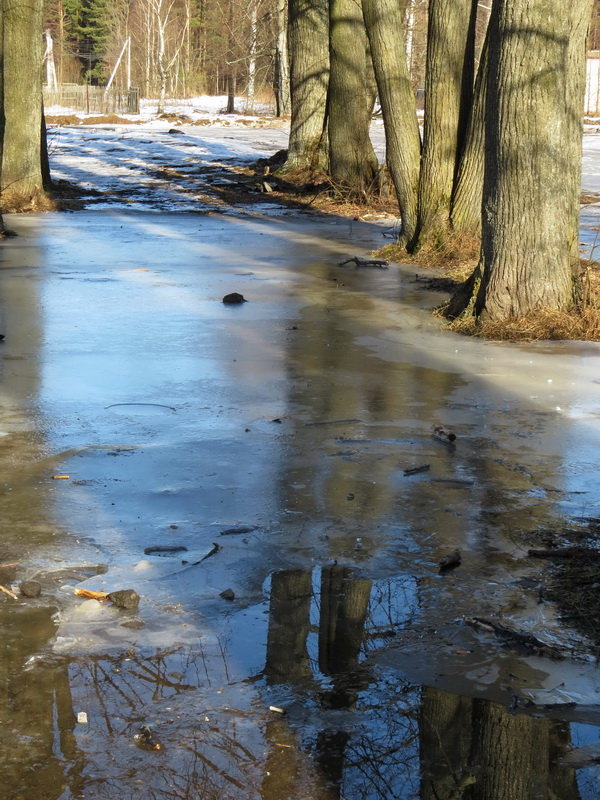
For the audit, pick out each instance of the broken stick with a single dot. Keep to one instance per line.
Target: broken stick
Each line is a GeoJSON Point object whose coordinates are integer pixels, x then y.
{"type": "Point", "coordinates": [380, 263]}
{"type": "Point", "coordinates": [9, 592]}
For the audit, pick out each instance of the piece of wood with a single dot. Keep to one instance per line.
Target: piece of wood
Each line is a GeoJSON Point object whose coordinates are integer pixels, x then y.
{"type": "Point", "coordinates": [92, 595]}
{"type": "Point", "coordinates": [416, 470]}
{"type": "Point", "coordinates": [380, 263]}
{"type": "Point", "coordinates": [9, 592]}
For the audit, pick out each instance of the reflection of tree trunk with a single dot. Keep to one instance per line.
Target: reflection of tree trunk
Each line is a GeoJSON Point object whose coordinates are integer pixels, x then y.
{"type": "Point", "coordinates": [344, 605]}
{"type": "Point", "coordinates": [331, 757]}
{"type": "Point", "coordinates": [445, 742]}
{"type": "Point", "coordinates": [510, 754]}
{"type": "Point", "coordinates": [37, 710]}
{"type": "Point", "coordinates": [287, 657]}
{"type": "Point", "coordinates": [563, 782]}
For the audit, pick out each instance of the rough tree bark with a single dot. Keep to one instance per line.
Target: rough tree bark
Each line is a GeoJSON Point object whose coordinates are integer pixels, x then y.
{"type": "Point", "coordinates": [1, 107]}
{"type": "Point", "coordinates": [22, 179]}
{"type": "Point", "coordinates": [533, 156]}
{"type": "Point", "coordinates": [352, 161]}
{"type": "Point", "coordinates": [468, 187]}
{"type": "Point", "coordinates": [383, 21]}
{"type": "Point", "coordinates": [448, 98]}
{"type": "Point", "coordinates": [309, 79]}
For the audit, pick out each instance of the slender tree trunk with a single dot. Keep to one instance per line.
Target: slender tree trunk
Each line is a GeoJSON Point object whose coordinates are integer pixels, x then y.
{"type": "Point", "coordinates": [383, 21]}
{"type": "Point", "coordinates": [22, 180]}
{"type": "Point", "coordinates": [231, 69]}
{"type": "Point", "coordinates": [448, 93]}
{"type": "Point", "coordinates": [282, 64]}
{"type": "Point", "coordinates": [251, 91]}
{"type": "Point", "coordinates": [309, 78]}
{"type": "Point", "coordinates": [533, 156]}
{"type": "Point", "coordinates": [352, 160]}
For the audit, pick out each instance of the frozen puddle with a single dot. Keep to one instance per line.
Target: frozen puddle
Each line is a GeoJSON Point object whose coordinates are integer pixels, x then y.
{"type": "Point", "coordinates": [318, 652]}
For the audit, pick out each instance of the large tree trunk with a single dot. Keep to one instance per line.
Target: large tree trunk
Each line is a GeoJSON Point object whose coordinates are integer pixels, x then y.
{"type": "Point", "coordinates": [383, 21]}
{"type": "Point", "coordinates": [533, 156]}
{"type": "Point", "coordinates": [309, 79]}
{"type": "Point", "coordinates": [1, 107]}
{"type": "Point", "coordinates": [352, 160]}
{"type": "Point", "coordinates": [448, 97]}
{"type": "Point", "coordinates": [22, 180]}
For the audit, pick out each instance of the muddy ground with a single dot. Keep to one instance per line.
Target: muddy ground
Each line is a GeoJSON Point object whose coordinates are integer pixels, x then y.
{"type": "Point", "coordinates": [294, 636]}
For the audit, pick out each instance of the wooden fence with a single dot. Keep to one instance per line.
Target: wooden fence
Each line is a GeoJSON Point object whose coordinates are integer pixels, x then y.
{"type": "Point", "coordinates": [93, 99]}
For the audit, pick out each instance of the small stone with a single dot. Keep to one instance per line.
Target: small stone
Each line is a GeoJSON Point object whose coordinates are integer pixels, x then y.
{"type": "Point", "coordinates": [125, 598]}
{"type": "Point", "coordinates": [228, 594]}
{"type": "Point", "coordinates": [82, 718]}
{"type": "Point", "coordinates": [234, 299]}
{"type": "Point", "coordinates": [350, 496]}
{"type": "Point", "coordinates": [30, 588]}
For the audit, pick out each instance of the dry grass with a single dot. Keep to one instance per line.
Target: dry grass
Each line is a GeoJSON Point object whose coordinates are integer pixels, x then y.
{"type": "Point", "coordinates": [456, 255]}
{"type": "Point", "coordinates": [544, 324]}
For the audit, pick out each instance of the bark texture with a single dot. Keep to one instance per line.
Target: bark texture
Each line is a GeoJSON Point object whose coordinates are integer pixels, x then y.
{"type": "Point", "coordinates": [352, 160]}
{"type": "Point", "coordinates": [448, 95]}
{"type": "Point", "coordinates": [383, 21]}
{"type": "Point", "coordinates": [22, 180]}
{"type": "Point", "coordinates": [1, 106]}
{"type": "Point", "coordinates": [510, 754]}
{"type": "Point", "coordinates": [533, 156]}
{"type": "Point", "coordinates": [309, 79]}
{"type": "Point", "coordinates": [468, 187]}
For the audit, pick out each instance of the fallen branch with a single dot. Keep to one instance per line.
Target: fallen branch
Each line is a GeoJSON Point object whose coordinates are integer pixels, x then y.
{"type": "Point", "coordinates": [516, 637]}
{"type": "Point", "coordinates": [416, 470]}
{"type": "Point", "coordinates": [379, 263]}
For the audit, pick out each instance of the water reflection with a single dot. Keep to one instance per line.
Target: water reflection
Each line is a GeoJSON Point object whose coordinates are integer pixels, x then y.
{"type": "Point", "coordinates": [357, 541]}
{"type": "Point", "coordinates": [351, 729]}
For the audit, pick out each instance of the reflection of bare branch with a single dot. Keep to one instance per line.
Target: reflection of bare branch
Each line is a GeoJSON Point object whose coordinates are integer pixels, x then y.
{"type": "Point", "coordinates": [214, 768]}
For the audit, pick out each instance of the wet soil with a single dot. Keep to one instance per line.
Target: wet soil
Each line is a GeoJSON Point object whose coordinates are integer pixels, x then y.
{"type": "Point", "coordinates": [305, 642]}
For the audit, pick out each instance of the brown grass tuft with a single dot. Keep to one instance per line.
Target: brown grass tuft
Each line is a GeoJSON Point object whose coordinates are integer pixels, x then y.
{"type": "Point", "coordinates": [456, 254]}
